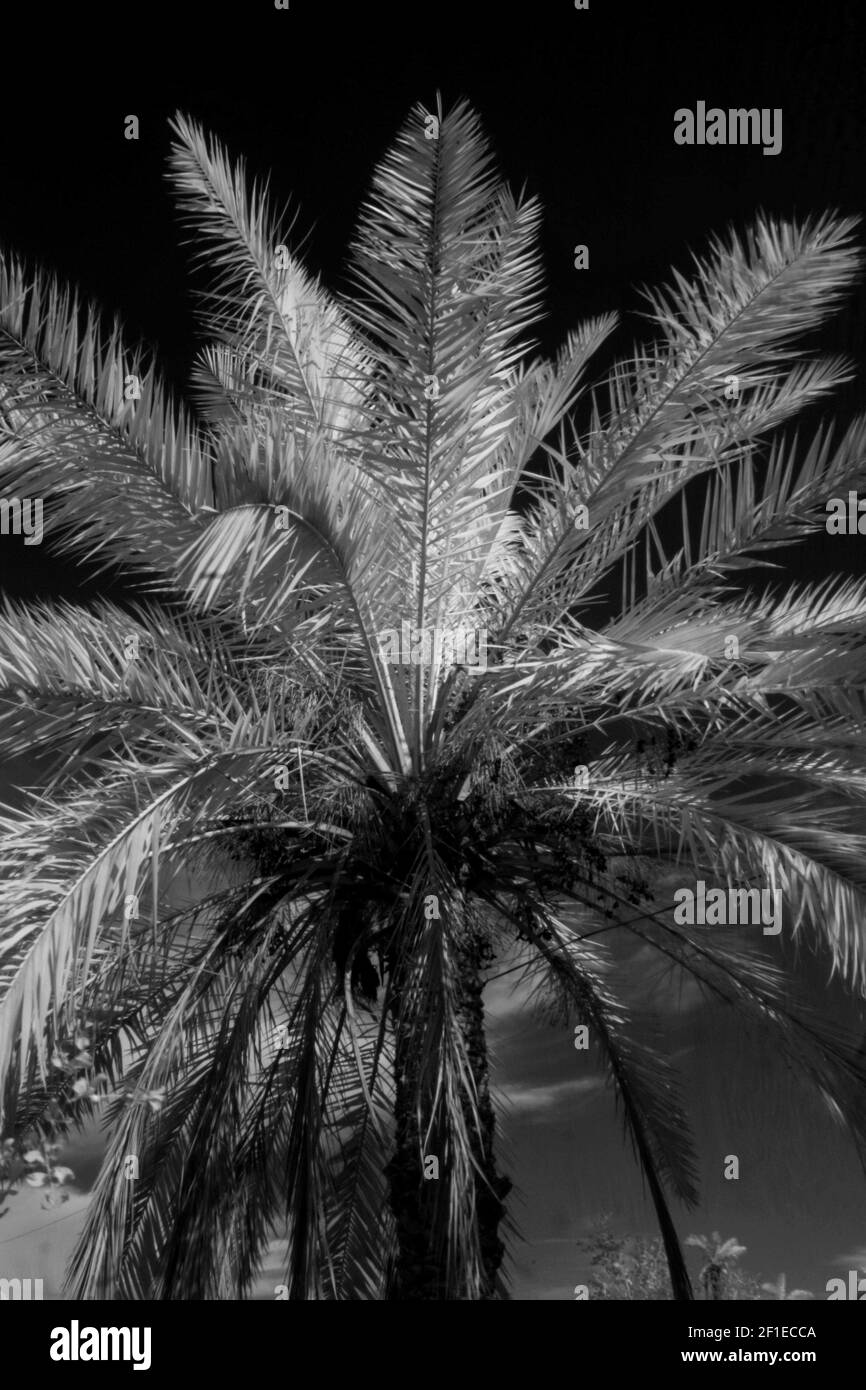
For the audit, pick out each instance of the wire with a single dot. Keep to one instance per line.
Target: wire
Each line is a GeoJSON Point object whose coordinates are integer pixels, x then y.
{"type": "Point", "coordinates": [33, 1229]}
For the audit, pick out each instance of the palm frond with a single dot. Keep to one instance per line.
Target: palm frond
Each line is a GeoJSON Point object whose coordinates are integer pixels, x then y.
{"type": "Point", "coordinates": [90, 427]}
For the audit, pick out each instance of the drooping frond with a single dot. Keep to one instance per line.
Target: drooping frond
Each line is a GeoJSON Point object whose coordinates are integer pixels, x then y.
{"type": "Point", "coordinates": [644, 1083]}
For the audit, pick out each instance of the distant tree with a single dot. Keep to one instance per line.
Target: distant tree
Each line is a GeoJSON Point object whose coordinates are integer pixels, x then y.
{"type": "Point", "coordinates": [36, 1166]}
{"type": "Point", "coordinates": [721, 1254]}
{"type": "Point", "coordinates": [627, 1267]}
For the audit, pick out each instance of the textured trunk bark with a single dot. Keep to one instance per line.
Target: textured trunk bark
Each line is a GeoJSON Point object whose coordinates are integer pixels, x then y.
{"type": "Point", "coordinates": [420, 1204]}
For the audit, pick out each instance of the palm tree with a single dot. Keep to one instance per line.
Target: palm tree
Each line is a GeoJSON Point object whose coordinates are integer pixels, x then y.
{"type": "Point", "coordinates": [301, 1041]}
{"type": "Point", "coordinates": [721, 1255]}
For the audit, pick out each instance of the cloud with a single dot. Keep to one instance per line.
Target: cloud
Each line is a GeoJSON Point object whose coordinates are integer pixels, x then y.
{"type": "Point", "coordinates": [856, 1259]}
{"type": "Point", "coordinates": [506, 997]}
{"type": "Point", "coordinates": [528, 1100]}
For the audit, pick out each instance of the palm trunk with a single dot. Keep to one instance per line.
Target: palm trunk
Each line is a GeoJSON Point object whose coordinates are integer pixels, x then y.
{"type": "Point", "coordinates": [423, 1269]}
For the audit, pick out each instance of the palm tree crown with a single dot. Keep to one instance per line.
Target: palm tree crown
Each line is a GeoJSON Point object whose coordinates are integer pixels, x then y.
{"type": "Point", "coordinates": [301, 1043]}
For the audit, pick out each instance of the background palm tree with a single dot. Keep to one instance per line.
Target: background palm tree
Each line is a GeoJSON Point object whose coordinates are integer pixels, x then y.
{"type": "Point", "coordinates": [303, 1040]}
{"type": "Point", "coordinates": [721, 1255]}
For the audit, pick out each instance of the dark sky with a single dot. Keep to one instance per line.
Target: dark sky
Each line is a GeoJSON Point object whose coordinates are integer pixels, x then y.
{"type": "Point", "coordinates": [579, 106]}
